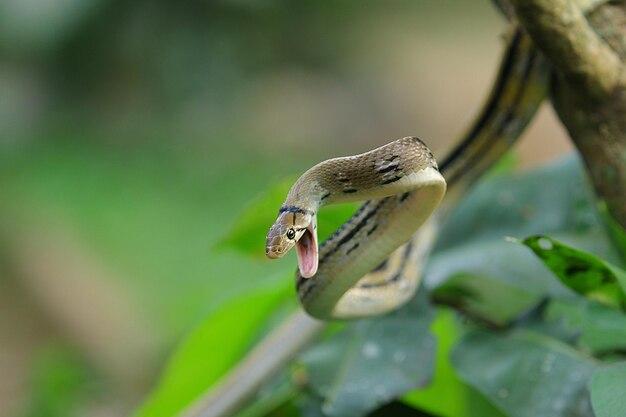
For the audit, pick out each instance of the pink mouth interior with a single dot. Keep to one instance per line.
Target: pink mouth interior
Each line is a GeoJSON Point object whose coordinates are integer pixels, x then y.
{"type": "Point", "coordinates": [306, 248]}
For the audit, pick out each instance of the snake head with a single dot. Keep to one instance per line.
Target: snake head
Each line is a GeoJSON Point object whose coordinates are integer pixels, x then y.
{"type": "Point", "coordinates": [294, 227]}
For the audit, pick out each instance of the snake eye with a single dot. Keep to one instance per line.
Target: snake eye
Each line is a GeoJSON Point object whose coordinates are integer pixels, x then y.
{"type": "Point", "coordinates": [291, 234]}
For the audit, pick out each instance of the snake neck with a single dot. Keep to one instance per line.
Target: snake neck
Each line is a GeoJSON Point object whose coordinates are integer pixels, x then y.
{"type": "Point", "coordinates": [306, 195]}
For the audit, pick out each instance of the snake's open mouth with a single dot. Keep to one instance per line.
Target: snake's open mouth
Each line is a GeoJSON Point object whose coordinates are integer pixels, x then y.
{"type": "Point", "coordinates": [306, 248]}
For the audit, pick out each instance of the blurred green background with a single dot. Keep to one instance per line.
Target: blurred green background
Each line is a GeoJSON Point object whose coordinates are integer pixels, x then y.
{"type": "Point", "coordinates": [134, 133]}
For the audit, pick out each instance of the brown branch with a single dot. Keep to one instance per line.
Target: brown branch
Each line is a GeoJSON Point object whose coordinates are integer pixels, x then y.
{"type": "Point", "coordinates": [562, 32]}
{"type": "Point", "coordinates": [589, 87]}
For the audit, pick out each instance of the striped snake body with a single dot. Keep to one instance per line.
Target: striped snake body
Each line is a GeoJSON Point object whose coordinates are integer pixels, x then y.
{"type": "Point", "coordinates": [403, 185]}
{"type": "Point", "coordinates": [359, 274]}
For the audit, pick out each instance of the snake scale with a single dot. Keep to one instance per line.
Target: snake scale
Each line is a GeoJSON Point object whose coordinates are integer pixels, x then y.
{"type": "Point", "coordinates": [519, 89]}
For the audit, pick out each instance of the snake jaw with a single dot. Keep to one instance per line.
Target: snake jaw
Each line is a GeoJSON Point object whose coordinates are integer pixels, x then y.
{"type": "Point", "coordinates": [306, 249]}
{"type": "Point", "coordinates": [277, 244]}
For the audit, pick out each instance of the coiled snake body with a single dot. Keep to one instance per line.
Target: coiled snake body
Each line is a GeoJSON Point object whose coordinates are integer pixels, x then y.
{"type": "Point", "coordinates": [349, 284]}
{"type": "Point", "coordinates": [404, 186]}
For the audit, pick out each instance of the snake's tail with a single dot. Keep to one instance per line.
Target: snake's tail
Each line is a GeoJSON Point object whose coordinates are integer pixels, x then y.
{"type": "Point", "coordinates": [261, 363]}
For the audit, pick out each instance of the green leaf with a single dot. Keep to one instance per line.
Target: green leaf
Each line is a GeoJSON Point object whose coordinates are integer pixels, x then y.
{"type": "Point", "coordinates": [447, 395]}
{"type": "Point", "coordinates": [248, 233]}
{"type": "Point", "coordinates": [472, 253]}
{"type": "Point", "coordinates": [583, 272]}
{"type": "Point", "coordinates": [211, 349]}
{"type": "Point", "coordinates": [373, 361]}
{"type": "Point", "coordinates": [601, 329]}
{"type": "Point", "coordinates": [525, 374]}
{"type": "Point", "coordinates": [485, 298]}
{"type": "Point", "coordinates": [475, 276]}
{"type": "Point", "coordinates": [608, 390]}
{"type": "Point", "coordinates": [550, 199]}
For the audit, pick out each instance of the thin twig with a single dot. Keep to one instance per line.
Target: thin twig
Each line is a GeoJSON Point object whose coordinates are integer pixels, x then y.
{"type": "Point", "coordinates": [264, 360]}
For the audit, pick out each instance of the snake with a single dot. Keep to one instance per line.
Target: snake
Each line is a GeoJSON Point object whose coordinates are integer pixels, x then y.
{"type": "Point", "coordinates": [340, 280]}
{"type": "Point", "coordinates": [367, 267]}
{"type": "Point", "coordinates": [403, 186]}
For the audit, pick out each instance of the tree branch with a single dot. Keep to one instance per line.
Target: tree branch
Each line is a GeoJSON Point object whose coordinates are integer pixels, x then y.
{"type": "Point", "coordinates": [265, 360]}
{"type": "Point", "coordinates": [562, 32]}
{"type": "Point", "coordinates": [588, 90]}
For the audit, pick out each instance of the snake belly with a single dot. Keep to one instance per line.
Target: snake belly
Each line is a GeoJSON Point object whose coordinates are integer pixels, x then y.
{"type": "Point", "coordinates": [403, 187]}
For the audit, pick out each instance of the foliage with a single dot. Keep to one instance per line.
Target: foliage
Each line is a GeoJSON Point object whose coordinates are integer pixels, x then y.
{"type": "Point", "coordinates": [525, 374]}
{"type": "Point", "coordinates": [464, 400]}
{"type": "Point", "coordinates": [509, 337]}
{"type": "Point", "coordinates": [608, 390]}
{"type": "Point", "coordinates": [185, 376]}
{"type": "Point", "coordinates": [582, 271]}
{"type": "Point", "coordinates": [599, 329]}
{"type": "Point", "coordinates": [373, 361]}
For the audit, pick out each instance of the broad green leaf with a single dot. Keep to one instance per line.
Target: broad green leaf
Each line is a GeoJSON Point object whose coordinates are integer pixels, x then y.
{"type": "Point", "coordinates": [447, 396]}
{"type": "Point", "coordinates": [472, 243]}
{"type": "Point", "coordinates": [373, 361]}
{"type": "Point", "coordinates": [553, 198]}
{"type": "Point", "coordinates": [599, 328]}
{"type": "Point", "coordinates": [485, 298]}
{"type": "Point", "coordinates": [608, 390]}
{"type": "Point", "coordinates": [248, 233]}
{"type": "Point", "coordinates": [210, 350]}
{"type": "Point", "coordinates": [525, 374]}
{"type": "Point", "coordinates": [478, 265]}
{"type": "Point", "coordinates": [583, 272]}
